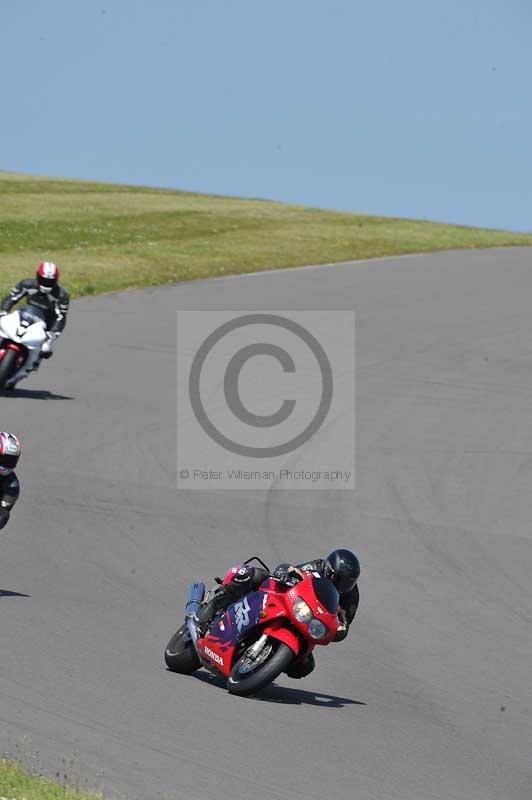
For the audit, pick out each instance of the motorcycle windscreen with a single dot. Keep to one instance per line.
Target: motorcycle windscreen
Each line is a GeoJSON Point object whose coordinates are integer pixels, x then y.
{"type": "Point", "coordinates": [326, 593]}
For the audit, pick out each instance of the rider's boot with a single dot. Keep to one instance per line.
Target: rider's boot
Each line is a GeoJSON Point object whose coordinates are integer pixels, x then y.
{"type": "Point", "coordinates": [218, 602]}
{"type": "Point", "coordinates": [18, 376]}
{"type": "Point", "coordinates": [239, 585]}
{"type": "Point", "coordinates": [31, 365]}
{"type": "Point", "coordinates": [301, 668]}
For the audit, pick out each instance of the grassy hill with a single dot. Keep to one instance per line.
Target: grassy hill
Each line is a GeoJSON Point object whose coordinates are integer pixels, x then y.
{"type": "Point", "coordinates": [107, 237]}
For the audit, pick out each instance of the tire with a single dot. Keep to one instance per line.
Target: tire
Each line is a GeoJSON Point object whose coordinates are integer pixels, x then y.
{"type": "Point", "coordinates": [278, 661]}
{"type": "Point", "coordinates": [180, 655]}
{"type": "Point", "coordinates": [8, 366]}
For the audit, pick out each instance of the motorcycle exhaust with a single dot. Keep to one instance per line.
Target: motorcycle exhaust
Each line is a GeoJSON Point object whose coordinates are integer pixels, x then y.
{"type": "Point", "coordinates": [195, 596]}
{"type": "Point", "coordinates": [196, 593]}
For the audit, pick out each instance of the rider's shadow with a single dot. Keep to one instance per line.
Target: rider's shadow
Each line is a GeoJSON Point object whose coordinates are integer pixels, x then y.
{"type": "Point", "coordinates": [287, 695]}
{"type": "Point", "coordinates": [34, 394]}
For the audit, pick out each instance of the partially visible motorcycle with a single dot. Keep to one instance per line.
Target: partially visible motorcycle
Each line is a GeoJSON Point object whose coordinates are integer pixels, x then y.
{"type": "Point", "coordinates": [259, 636]}
{"type": "Point", "coordinates": [21, 331]}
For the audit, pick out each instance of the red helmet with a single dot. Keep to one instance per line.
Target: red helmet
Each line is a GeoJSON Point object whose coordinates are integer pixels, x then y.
{"type": "Point", "coordinates": [9, 453]}
{"type": "Point", "coordinates": [47, 276]}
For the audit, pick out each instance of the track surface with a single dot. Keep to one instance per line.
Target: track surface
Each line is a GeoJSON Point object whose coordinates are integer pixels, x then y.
{"type": "Point", "coordinates": [430, 697]}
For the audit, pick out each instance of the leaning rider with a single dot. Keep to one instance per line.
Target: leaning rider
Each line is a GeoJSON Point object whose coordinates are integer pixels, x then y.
{"type": "Point", "coordinates": [45, 294]}
{"type": "Point", "coordinates": [341, 566]}
{"type": "Point", "coordinates": [9, 485]}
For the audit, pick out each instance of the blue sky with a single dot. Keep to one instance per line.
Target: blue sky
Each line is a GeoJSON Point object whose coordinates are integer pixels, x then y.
{"type": "Point", "coordinates": [420, 109]}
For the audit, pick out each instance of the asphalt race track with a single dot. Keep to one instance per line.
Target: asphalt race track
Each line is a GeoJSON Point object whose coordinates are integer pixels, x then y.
{"type": "Point", "coordinates": [430, 696]}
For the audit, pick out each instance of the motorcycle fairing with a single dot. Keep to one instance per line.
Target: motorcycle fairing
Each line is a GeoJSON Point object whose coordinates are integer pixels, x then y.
{"type": "Point", "coordinates": [265, 606]}
{"type": "Point", "coordinates": [23, 327]}
{"type": "Point", "coordinates": [219, 644]}
{"type": "Point", "coordinates": [239, 619]}
{"type": "Point", "coordinates": [277, 629]}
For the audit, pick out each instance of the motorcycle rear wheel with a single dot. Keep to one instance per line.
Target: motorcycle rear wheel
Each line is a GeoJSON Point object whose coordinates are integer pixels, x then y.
{"type": "Point", "coordinates": [180, 655]}
{"type": "Point", "coordinates": [243, 681]}
{"type": "Point", "coordinates": [8, 367]}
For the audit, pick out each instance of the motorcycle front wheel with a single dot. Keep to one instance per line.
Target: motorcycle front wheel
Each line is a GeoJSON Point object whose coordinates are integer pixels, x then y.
{"type": "Point", "coordinates": [8, 366]}
{"type": "Point", "coordinates": [250, 675]}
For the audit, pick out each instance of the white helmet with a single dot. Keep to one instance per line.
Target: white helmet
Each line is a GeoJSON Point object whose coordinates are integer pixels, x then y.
{"type": "Point", "coordinates": [9, 453]}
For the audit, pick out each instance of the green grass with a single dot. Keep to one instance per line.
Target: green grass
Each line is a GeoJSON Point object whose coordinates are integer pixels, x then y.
{"type": "Point", "coordinates": [17, 784]}
{"type": "Point", "coordinates": [108, 237]}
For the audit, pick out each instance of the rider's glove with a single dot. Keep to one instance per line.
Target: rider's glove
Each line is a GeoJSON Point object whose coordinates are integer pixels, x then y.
{"type": "Point", "coordinates": [343, 627]}
{"type": "Point", "coordinates": [51, 335]}
{"type": "Point", "coordinates": [287, 574]}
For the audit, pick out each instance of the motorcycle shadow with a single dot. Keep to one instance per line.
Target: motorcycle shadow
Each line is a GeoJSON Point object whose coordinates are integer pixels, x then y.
{"type": "Point", "coordinates": [6, 593]}
{"type": "Point", "coordinates": [34, 394]}
{"type": "Point", "coordinates": [286, 695]}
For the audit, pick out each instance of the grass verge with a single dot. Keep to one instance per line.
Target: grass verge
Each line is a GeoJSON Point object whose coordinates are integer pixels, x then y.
{"type": "Point", "coordinates": [109, 237]}
{"type": "Point", "coordinates": [17, 784]}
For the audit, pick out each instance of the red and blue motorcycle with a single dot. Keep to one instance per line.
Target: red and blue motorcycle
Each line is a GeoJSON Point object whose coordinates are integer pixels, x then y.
{"type": "Point", "coordinates": [259, 636]}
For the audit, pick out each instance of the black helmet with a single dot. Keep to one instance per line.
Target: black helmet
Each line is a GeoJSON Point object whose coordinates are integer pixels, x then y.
{"type": "Point", "coordinates": [343, 568]}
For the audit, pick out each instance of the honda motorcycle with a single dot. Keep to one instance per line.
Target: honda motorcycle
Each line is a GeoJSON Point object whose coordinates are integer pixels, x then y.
{"type": "Point", "coordinates": [20, 332]}
{"type": "Point", "coordinates": [259, 636]}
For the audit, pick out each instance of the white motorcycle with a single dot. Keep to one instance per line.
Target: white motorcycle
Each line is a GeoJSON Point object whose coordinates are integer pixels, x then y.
{"type": "Point", "coordinates": [22, 335]}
